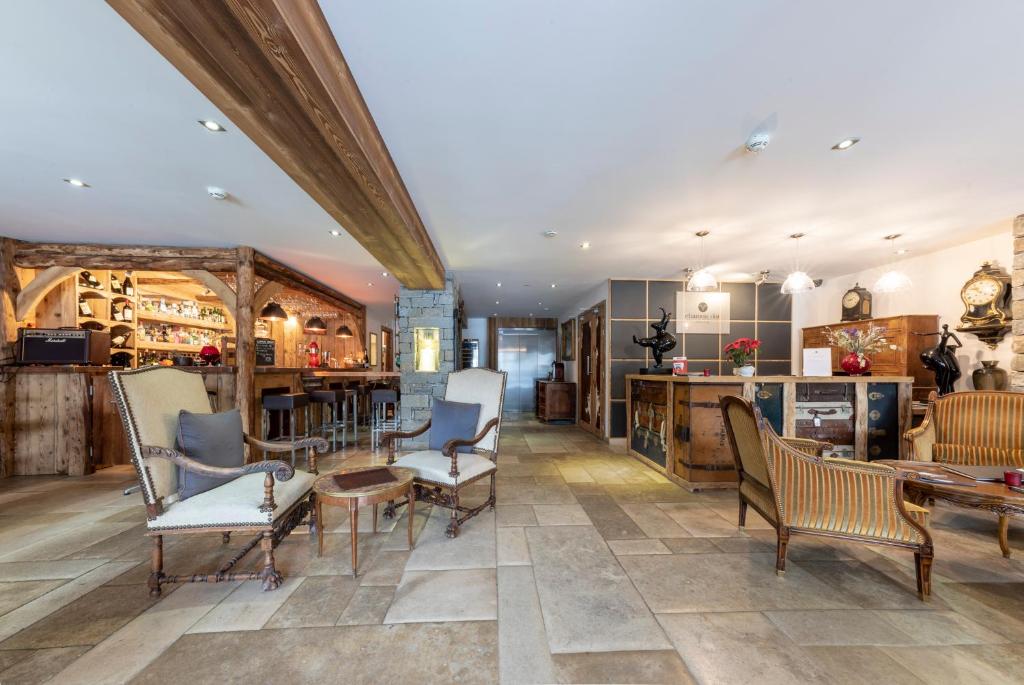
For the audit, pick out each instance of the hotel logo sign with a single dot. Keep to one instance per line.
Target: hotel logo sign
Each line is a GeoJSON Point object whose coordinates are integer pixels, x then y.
{"type": "Point", "coordinates": [702, 312]}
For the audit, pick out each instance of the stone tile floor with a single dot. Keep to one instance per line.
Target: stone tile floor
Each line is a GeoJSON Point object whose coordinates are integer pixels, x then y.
{"type": "Point", "coordinates": [593, 568]}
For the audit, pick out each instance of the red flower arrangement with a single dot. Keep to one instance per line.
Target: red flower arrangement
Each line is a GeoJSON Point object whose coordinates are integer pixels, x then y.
{"type": "Point", "coordinates": [742, 350]}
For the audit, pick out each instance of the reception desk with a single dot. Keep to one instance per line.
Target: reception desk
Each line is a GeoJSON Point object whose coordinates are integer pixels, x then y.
{"type": "Point", "coordinates": [675, 423]}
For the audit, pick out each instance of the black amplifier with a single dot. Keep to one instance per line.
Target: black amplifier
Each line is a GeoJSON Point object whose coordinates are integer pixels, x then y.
{"type": "Point", "coordinates": [63, 346]}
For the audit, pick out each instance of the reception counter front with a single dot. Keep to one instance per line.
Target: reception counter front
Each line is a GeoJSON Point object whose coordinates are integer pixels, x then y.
{"type": "Point", "coordinates": [675, 422]}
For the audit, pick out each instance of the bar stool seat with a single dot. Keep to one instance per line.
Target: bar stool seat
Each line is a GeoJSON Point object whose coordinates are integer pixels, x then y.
{"type": "Point", "coordinates": [285, 403]}
{"type": "Point", "coordinates": [331, 398]}
{"type": "Point", "coordinates": [380, 398]}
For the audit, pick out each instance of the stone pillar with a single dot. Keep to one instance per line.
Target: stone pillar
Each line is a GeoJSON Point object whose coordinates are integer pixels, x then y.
{"type": "Point", "coordinates": [424, 308]}
{"type": "Point", "coordinates": [1017, 365]}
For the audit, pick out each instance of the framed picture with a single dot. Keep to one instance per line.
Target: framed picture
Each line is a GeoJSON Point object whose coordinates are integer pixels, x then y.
{"type": "Point", "coordinates": [373, 350]}
{"type": "Point", "coordinates": [569, 340]}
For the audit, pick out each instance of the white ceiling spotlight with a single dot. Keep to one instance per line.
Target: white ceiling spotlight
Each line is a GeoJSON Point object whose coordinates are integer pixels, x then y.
{"type": "Point", "coordinates": [384, 274]}
{"type": "Point", "coordinates": [334, 232]}
{"type": "Point", "coordinates": [845, 144]}
{"type": "Point", "coordinates": [702, 280]}
{"type": "Point", "coordinates": [798, 281]}
{"type": "Point", "coordinates": [554, 285]}
{"type": "Point", "coordinates": [211, 125]}
{"type": "Point", "coordinates": [893, 280]}
{"type": "Point", "coordinates": [549, 234]}
{"type": "Point", "coordinates": [758, 141]}
{"type": "Point", "coordinates": [499, 284]}
{"type": "Point", "coordinates": [585, 245]}
{"type": "Point", "coordinates": [217, 193]}
{"type": "Point", "coordinates": [77, 182]}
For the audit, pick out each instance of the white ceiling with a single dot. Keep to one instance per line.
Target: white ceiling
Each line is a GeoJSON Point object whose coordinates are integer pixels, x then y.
{"type": "Point", "coordinates": [621, 123]}
{"type": "Point", "coordinates": [85, 96]}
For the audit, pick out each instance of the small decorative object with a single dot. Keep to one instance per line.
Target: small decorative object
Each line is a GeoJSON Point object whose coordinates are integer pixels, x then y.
{"type": "Point", "coordinates": [209, 354]}
{"type": "Point", "coordinates": [941, 359]}
{"type": "Point", "coordinates": [742, 352]}
{"type": "Point", "coordinates": [679, 366]}
{"type": "Point", "coordinates": [856, 304]}
{"type": "Point", "coordinates": [661, 342]}
{"type": "Point", "coordinates": [989, 376]}
{"type": "Point", "coordinates": [858, 345]}
{"type": "Point", "coordinates": [313, 352]}
{"type": "Point", "coordinates": [1012, 478]}
{"type": "Point", "coordinates": [569, 340]}
{"type": "Point", "coordinates": [986, 296]}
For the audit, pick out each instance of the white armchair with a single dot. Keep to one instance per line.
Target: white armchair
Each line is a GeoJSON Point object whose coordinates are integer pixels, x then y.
{"type": "Point", "coordinates": [269, 498]}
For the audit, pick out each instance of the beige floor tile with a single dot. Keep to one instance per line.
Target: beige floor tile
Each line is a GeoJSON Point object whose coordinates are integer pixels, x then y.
{"type": "Point", "coordinates": [515, 515]}
{"type": "Point", "coordinates": [318, 601]}
{"type": "Point", "coordinates": [690, 545]}
{"type": "Point", "coordinates": [701, 522]}
{"type": "Point", "coordinates": [512, 547]}
{"type": "Point", "coordinates": [561, 515]}
{"type": "Point", "coordinates": [456, 595]}
{"type": "Point", "coordinates": [475, 546]}
{"type": "Point", "coordinates": [654, 522]}
{"type": "Point", "coordinates": [843, 627]}
{"type": "Point", "coordinates": [248, 607]}
{"type": "Point", "coordinates": [861, 666]}
{"type": "Point", "coordinates": [523, 655]}
{"type": "Point", "coordinates": [575, 474]}
{"type": "Point", "coordinates": [387, 569]}
{"type": "Point", "coordinates": [46, 570]}
{"type": "Point", "coordinates": [40, 666]}
{"type": "Point", "coordinates": [644, 546]}
{"type": "Point", "coordinates": [14, 595]}
{"type": "Point", "coordinates": [368, 606]}
{"type": "Point", "coordinates": [962, 665]}
{"type": "Point", "coordinates": [609, 519]}
{"type": "Point", "coordinates": [940, 628]}
{"type": "Point", "coordinates": [623, 667]}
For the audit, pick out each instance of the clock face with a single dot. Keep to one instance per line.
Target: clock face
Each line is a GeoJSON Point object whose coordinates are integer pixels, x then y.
{"type": "Point", "coordinates": [982, 291]}
{"type": "Point", "coordinates": [851, 299]}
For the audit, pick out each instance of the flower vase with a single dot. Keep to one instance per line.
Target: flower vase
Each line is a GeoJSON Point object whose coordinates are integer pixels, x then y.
{"type": "Point", "coordinates": [747, 370]}
{"type": "Point", "coordinates": [855, 364]}
{"type": "Point", "coordinates": [989, 377]}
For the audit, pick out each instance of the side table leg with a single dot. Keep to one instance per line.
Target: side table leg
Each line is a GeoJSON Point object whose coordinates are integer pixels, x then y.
{"type": "Point", "coordinates": [353, 517]}
{"type": "Point", "coordinates": [374, 518]}
{"type": "Point", "coordinates": [411, 511]}
{"type": "Point", "coordinates": [319, 527]}
{"type": "Point", "coordinates": [1004, 534]}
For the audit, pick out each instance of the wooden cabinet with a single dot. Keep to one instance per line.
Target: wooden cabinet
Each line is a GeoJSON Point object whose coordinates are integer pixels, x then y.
{"type": "Point", "coordinates": [556, 401]}
{"type": "Point", "coordinates": [702, 452]}
{"type": "Point", "coordinates": [901, 358]}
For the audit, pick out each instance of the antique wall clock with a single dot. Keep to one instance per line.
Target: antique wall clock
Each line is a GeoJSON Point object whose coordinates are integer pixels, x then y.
{"type": "Point", "coordinates": [986, 297]}
{"type": "Point", "coordinates": [856, 304]}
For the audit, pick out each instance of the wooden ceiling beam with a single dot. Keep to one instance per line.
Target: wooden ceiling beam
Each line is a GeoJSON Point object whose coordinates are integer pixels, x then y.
{"type": "Point", "coordinates": [274, 68]}
{"type": "Point", "coordinates": [273, 270]}
{"type": "Point", "coordinates": [140, 257]}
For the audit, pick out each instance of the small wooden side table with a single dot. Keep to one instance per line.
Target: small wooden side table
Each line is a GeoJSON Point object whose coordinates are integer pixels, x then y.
{"type": "Point", "coordinates": [329, 492]}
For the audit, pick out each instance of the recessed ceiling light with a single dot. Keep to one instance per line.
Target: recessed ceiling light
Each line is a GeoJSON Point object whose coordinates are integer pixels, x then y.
{"type": "Point", "coordinates": [497, 302]}
{"type": "Point", "coordinates": [846, 143]}
{"type": "Point", "coordinates": [384, 274]}
{"type": "Point", "coordinates": [369, 284]}
{"type": "Point", "coordinates": [584, 245]}
{"type": "Point", "coordinates": [547, 309]}
{"type": "Point", "coordinates": [531, 314]}
{"type": "Point", "coordinates": [334, 232]}
{"type": "Point", "coordinates": [540, 304]}
{"type": "Point", "coordinates": [499, 284]}
{"type": "Point", "coordinates": [549, 234]}
{"type": "Point", "coordinates": [902, 250]}
{"type": "Point", "coordinates": [77, 182]}
{"type": "Point", "coordinates": [211, 125]}
{"type": "Point", "coordinates": [216, 193]}
{"type": "Point", "coordinates": [554, 285]}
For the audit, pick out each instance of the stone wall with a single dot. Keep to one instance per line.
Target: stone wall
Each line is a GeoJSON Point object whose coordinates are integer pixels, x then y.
{"type": "Point", "coordinates": [1017, 366]}
{"type": "Point", "coordinates": [424, 308]}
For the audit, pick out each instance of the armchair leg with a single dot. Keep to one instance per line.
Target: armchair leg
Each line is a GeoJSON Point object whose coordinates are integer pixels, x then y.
{"type": "Point", "coordinates": [225, 538]}
{"type": "Point", "coordinates": [780, 554]}
{"type": "Point", "coordinates": [923, 566]}
{"type": "Point", "coordinates": [743, 512]}
{"type": "Point", "coordinates": [156, 566]}
{"type": "Point", "coordinates": [453, 525]}
{"type": "Point", "coordinates": [493, 490]}
{"type": "Point", "coordinates": [271, 578]}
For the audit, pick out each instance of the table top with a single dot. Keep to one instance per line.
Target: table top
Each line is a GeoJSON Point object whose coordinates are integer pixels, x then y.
{"type": "Point", "coordinates": [964, 488]}
{"type": "Point", "coordinates": [326, 485]}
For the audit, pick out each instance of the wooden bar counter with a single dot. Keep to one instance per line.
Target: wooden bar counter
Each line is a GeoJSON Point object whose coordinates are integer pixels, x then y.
{"type": "Point", "coordinates": [675, 423]}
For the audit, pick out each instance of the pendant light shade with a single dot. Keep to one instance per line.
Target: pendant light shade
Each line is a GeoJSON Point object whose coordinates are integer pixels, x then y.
{"type": "Point", "coordinates": [894, 280]}
{"type": "Point", "coordinates": [343, 331]}
{"type": "Point", "coordinates": [798, 281]}
{"type": "Point", "coordinates": [702, 280]}
{"type": "Point", "coordinates": [315, 325]}
{"type": "Point", "coordinates": [273, 312]}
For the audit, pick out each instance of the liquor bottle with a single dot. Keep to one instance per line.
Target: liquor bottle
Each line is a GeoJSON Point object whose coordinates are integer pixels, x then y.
{"type": "Point", "coordinates": [83, 307]}
{"type": "Point", "coordinates": [115, 313]}
{"type": "Point", "coordinates": [129, 289]}
{"type": "Point", "coordinates": [115, 285]}
{"type": "Point", "coordinates": [127, 311]}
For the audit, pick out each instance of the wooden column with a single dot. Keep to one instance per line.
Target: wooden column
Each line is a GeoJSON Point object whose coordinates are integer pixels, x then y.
{"type": "Point", "coordinates": [245, 335]}
{"type": "Point", "coordinates": [9, 289]}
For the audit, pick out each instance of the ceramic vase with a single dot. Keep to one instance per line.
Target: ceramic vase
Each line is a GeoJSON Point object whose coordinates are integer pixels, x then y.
{"type": "Point", "coordinates": [855, 365]}
{"type": "Point", "coordinates": [989, 376]}
{"type": "Point", "coordinates": [747, 370]}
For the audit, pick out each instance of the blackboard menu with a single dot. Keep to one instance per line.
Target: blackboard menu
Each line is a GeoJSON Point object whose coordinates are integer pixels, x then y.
{"type": "Point", "coordinates": [265, 352]}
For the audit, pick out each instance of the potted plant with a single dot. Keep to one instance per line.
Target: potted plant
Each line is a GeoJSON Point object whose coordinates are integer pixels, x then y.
{"type": "Point", "coordinates": [858, 345]}
{"type": "Point", "coordinates": [742, 352]}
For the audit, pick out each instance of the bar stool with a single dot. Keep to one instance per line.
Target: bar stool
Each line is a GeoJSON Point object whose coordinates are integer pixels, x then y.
{"type": "Point", "coordinates": [379, 422]}
{"type": "Point", "coordinates": [328, 400]}
{"type": "Point", "coordinates": [289, 403]}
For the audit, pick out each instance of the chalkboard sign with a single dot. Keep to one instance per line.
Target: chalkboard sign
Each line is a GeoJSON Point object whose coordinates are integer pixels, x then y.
{"type": "Point", "coordinates": [265, 352]}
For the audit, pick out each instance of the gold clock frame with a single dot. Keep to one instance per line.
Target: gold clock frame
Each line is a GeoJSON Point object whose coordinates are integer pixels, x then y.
{"type": "Point", "coordinates": [994, 322]}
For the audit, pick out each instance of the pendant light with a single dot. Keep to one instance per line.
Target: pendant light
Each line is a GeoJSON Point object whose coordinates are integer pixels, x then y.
{"type": "Point", "coordinates": [798, 281]}
{"type": "Point", "coordinates": [702, 280]}
{"type": "Point", "coordinates": [343, 331]}
{"type": "Point", "coordinates": [894, 280]}
{"type": "Point", "coordinates": [315, 325]}
{"type": "Point", "coordinates": [273, 312]}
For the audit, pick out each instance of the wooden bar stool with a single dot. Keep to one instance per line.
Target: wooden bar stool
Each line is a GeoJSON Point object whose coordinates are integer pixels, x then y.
{"type": "Point", "coordinates": [287, 403]}
{"type": "Point", "coordinates": [329, 401]}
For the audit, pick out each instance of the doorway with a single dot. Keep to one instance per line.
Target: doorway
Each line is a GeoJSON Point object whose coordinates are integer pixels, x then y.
{"type": "Point", "coordinates": [387, 352]}
{"type": "Point", "coordinates": [591, 369]}
{"type": "Point", "coordinates": [525, 354]}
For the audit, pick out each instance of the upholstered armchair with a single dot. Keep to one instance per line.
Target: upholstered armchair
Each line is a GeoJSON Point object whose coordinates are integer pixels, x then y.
{"type": "Point", "coordinates": [268, 498]}
{"type": "Point", "coordinates": [971, 428]}
{"type": "Point", "coordinates": [798, 491]}
{"type": "Point", "coordinates": [442, 474]}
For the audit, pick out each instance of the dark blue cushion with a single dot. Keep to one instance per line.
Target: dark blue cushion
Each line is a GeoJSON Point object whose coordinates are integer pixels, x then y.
{"type": "Point", "coordinates": [453, 420]}
{"type": "Point", "coordinates": [213, 439]}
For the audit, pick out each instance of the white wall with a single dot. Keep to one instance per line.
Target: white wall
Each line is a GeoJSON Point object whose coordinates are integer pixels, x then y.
{"type": "Point", "coordinates": [937, 277]}
{"type": "Point", "coordinates": [476, 327]}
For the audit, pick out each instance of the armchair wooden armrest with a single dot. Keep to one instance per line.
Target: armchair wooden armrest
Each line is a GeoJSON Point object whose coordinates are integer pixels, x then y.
{"type": "Point", "coordinates": [314, 444]}
{"type": "Point", "coordinates": [815, 448]}
{"type": "Point", "coordinates": [450, 448]}
{"type": "Point", "coordinates": [274, 469]}
{"type": "Point", "coordinates": [920, 440]}
{"type": "Point", "coordinates": [390, 437]}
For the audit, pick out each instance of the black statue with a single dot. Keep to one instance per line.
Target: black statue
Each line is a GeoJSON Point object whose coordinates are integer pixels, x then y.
{"type": "Point", "coordinates": [941, 359]}
{"type": "Point", "coordinates": [660, 343]}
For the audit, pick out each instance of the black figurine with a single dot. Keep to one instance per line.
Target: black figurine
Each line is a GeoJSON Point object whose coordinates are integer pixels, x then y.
{"type": "Point", "coordinates": [660, 343]}
{"type": "Point", "coordinates": [941, 359]}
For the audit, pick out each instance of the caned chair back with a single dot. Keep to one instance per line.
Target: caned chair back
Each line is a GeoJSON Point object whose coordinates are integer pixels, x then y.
{"type": "Point", "coordinates": [486, 388]}
{"type": "Point", "coordinates": [748, 450]}
{"type": "Point", "coordinates": [149, 400]}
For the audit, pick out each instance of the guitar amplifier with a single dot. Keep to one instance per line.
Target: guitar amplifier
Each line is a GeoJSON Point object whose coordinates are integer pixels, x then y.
{"type": "Point", "coordinates": [62, 346]}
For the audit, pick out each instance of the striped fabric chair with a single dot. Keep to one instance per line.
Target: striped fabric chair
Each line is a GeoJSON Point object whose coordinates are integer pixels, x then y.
{"type": "Point", "coordinates": [971, 428]}
{"type": "Point", "coordinates": [798, 491]}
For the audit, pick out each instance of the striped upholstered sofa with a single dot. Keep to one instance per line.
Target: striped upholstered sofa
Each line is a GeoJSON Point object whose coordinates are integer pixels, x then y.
{"type": "Point", "coordinates": [797, 490]}
{"type": "Point", "coordinates": [975, 428]}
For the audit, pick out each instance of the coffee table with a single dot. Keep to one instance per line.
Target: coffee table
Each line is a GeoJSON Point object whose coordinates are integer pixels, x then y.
{"type": "Point", "coordinates": [329, 492]}
{"type": "Point", "coordinates": [964, 492]}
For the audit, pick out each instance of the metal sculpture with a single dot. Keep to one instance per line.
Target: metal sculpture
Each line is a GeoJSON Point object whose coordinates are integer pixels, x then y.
{"type": "Point", "coordinates": [941, 360]}
{"type": "Point", "coordinates": [660, 343]}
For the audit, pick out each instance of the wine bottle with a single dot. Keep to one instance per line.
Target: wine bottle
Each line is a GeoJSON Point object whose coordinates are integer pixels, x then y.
{"type": "Point", "coordinates": [115, 313]}
{"type": "Point", "coordinates": [115, 285]}
{"type": "Point", "coordinates": [129, 289]}
{"type": "Point", "coordinates": [119, 340]}
{"type": "Point", "coordinates": [127, 311]}
{"type": "Point", "coordinates": [83, 307]}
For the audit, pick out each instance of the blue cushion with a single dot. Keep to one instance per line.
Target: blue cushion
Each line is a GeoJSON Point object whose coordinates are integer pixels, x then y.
{"type": "Point", "coordinates": [453, 420]}
{"type": "Point", "coordinates": [213, 439]}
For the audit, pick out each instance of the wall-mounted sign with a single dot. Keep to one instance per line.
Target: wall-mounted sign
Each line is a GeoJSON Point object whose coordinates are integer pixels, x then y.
{"type": "Point", "coordinates": [702, 312]}
{"type": "Point", "coordinates": [266, 352]}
